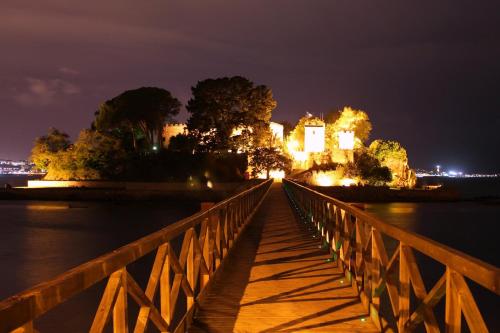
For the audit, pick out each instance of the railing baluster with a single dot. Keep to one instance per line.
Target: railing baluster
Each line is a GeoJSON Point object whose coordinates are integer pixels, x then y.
{"type": "Point", "coordinates": [357, 237]}
{"type": "Point", "coordinates": [404, 289]}
{"type": "Point", "coordinates": [453, 314]}
{"type": "Point", "coordinates": [165, 288]}
{"type": "Point", "coordinates": [120, 310]}
{"type": "Point", "coordinates": [190, 269]}
{"type": "Point", "coordinates": [107, 302]}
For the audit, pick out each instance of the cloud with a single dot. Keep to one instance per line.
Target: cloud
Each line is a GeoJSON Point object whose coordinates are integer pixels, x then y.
{"type": "Point", "coordinates": [45, 92]}
{"type": "Point", "coordinates": [68, 71]}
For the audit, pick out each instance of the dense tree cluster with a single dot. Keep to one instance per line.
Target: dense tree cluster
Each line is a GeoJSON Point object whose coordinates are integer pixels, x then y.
{"type": "Point", "coordinates": [229, 113]}
{"type": "Point", "coordinates": [138, 115]}
{"type": "Point", "coordinates": [125, 141]}
{"type": "Point", "coordinates": [266, 159]}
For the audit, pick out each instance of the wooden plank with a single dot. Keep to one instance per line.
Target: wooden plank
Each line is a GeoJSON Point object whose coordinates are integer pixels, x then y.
{"type": "Point", "coordinates": [288, 286]}
{"type": "Point", "coordinates": [165, 290]}
{"type": "Point", "coordinates": [404, 289]}
{"type": "Point", "coordinates": [120, 309]}
{"type": "Point", "coordinates": [145, 302]}
{"type": "Point", "coordinates": [190, 274]}
{"type": "Point", "coordinates": [430, 321]}
{"type": "Point", "coordinates": [26, 328]}
{"type": "Point", "coordinates": [453, 313]}
{"type": "Point", "coordinates": [468, 305]}
{"type": "Point", "coordinates": [433, 297]}
{"type": "Point", "coordinates": [107, 302]}
{"type": "Point", "coordinates": [375, 280]}
{"type": "Point", "coordinates": [392, 287]}
{"type": "Point", "coordinates": [154, 278]}
{"type": "Point", "coordinates": [477, 270]}
{"type": "Point", "coordinates": [32, 303]}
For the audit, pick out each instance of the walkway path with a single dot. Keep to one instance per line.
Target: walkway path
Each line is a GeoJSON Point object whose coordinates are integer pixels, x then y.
{"type": "Point", "coordinates": [277, 280]}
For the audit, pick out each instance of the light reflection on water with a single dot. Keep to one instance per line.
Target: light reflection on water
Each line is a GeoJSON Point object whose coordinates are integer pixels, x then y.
{"type": "Point", "coordinates": [467, 226]}
{"type": "Point", "coordinates": [46, 206]}
{"type": "Point", "coordinates": [39, 240]}
{"type": "Point", "coordinates": [470, 227]}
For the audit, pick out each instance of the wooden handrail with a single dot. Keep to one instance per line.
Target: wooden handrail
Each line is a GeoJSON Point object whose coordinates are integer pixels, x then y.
{"type": "Point", "coordinates": [197, 262]}
{"type": "Point", "coordinates": [355, 237]}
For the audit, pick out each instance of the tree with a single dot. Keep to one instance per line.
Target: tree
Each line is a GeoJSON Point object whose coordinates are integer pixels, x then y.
{"type": "Point", "coordinates": [93, 156]}
{"type": "Point", "coordinates": [97, 156]}
{"type": "Point", "coordinates": [287, 128]}
{"type": "Point", "coordinates": [46, 148]}
{"type": "Point", "coordinates": [332, 116]}
{"type": "Point", "coordinates": [140, 113]}
{"type": "Point", "coordinates": [350, 120]}
{"type": "Point", "coordinates": [392, 155]}
{"type": "Point", "coordinates": [389, 152]}
{"type": "Point", "coordinates": [182, 143]}
{"type": "Point", "coordinates": [370, 170]}
{"type": "Point", "coordinates": [221, 106]}
{"type": "Point", "coordinates": [266, 159]}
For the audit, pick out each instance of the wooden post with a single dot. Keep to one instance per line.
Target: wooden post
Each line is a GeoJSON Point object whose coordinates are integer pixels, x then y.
{"type": "Point", "coordinates": [120, 310]}
{"type": "Point", "coordinates": [404, 289]}
{"type": "Point", "coordinates": [166, 309]}
{"type": "Point", "coordinates": [190, 271]}
{"type": "Point", "coordinates": [453, 314]}
{"type": "Point", "coordinates": [375, 281]}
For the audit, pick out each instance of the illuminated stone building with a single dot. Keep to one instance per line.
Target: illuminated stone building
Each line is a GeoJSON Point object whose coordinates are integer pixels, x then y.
{"type": "Point", "coordinates": [171, 130]}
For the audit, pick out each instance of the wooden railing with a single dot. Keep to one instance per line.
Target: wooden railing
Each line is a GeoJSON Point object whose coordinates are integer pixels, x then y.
{"type": "Point", "coordinates": [356, 239]}
{"type": "Point", "coordinates": [207, 237]}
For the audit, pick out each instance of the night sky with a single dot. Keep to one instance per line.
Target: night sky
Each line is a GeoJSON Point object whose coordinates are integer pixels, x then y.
{"type": "Point", "coordinates": [426, 72]}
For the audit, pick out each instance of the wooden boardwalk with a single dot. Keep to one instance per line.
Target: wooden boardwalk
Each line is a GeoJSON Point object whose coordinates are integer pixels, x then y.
{"type": "Point", "coordinates": [277, 279]}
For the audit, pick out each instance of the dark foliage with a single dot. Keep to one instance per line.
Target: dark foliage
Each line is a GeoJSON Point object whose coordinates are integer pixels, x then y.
{"type": "Point", "coordinates": [183, 166]}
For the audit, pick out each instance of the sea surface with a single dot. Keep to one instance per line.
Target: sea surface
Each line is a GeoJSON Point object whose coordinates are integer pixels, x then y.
{"type": "Point", "coordinates": [39, 240]}
{"type": "Point", "coordinates": [471, 227]}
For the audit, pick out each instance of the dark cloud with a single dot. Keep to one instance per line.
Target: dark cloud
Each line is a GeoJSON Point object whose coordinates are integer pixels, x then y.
{"type": "Point", "coordinates": [426, 72]}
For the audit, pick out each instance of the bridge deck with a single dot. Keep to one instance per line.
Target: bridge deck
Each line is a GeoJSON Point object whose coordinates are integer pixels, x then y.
{"type": "Point", "coordinates": [277, 280]}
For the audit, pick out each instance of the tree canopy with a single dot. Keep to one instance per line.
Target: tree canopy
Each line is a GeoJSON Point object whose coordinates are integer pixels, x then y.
{"type": "Point", "coordinates": [139, 113]}
{"type": "Point", "coordinates": [93, 156]}
{"type": "Point", "coordinates": [221, 106]}
{"type": "Point", "coordinates": [47, 146]}
{"type": "Point", "coordinates": [265, 159]}
{"type": "Point", "coordinates": [387, 151]}
{"type": "Point", "coordinates": [350, 120]}
{"type": "Point", "coordinates": [370, 170]}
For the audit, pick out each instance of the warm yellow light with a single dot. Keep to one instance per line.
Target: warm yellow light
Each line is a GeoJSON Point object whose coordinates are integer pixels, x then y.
{"type": "Point", "coordinates": [292, 145]}
{"type": "Point", "coordinates": [274, 173]}
{"type": "Point", "coordinates": [347, 181]}
{"type": "Point", "coordinates": [299, 156]}
{"type": "Point", "coordinates": [324, 179]}
{"type": "Point", "coordinates": [346, 140]}
{"type": "Point", "coordinates": [314, 138]}
{"type": "Point", "coordinates": [277, 130]}
{"type": "Point", "coordinates": [277, 174]}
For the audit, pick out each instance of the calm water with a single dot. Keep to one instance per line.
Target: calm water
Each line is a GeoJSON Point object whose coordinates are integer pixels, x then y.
{"type": "Point", "coordinates": [39, 240]}
{"type": "Point", "coordinates": [466, 226]}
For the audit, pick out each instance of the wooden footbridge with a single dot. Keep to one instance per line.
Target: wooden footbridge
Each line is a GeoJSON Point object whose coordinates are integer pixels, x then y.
{"type": "Point", "coordinates": [274, 258]}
